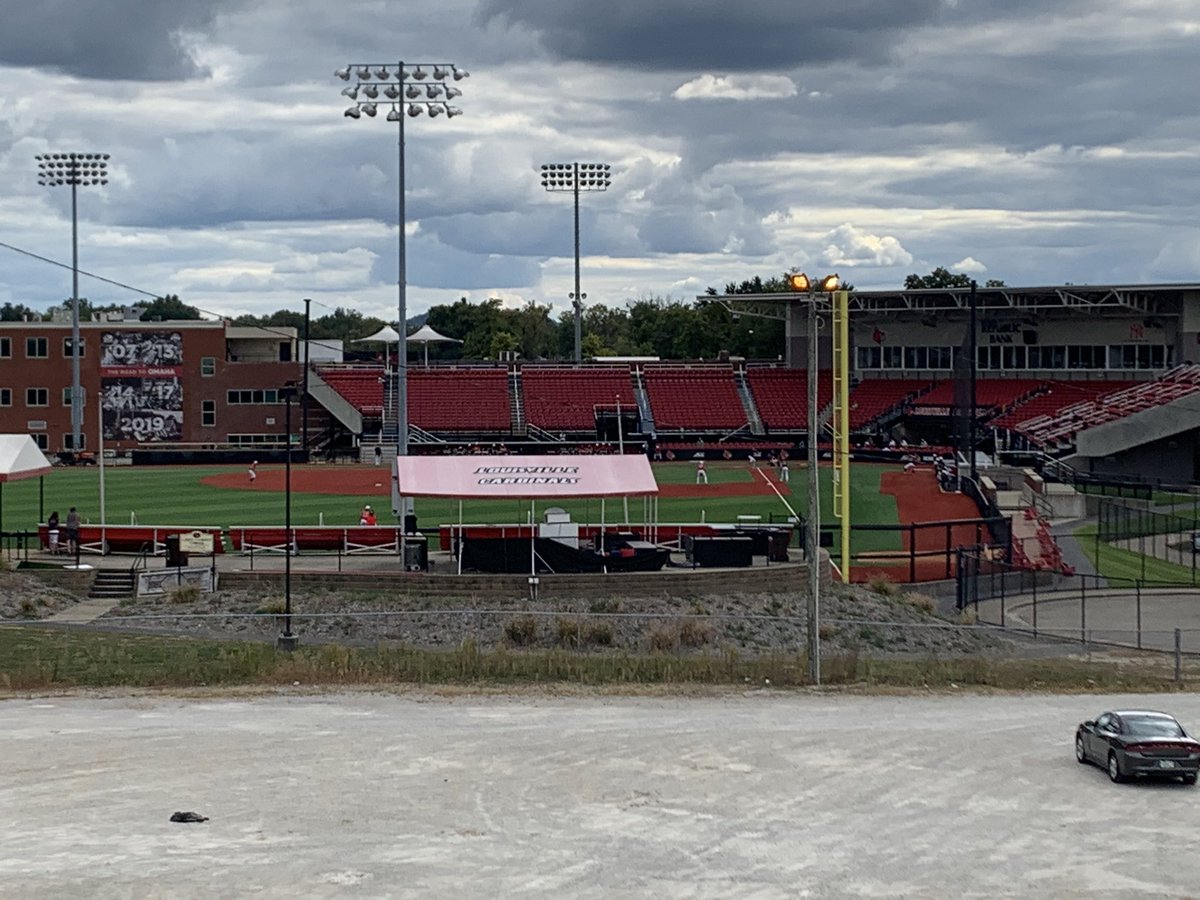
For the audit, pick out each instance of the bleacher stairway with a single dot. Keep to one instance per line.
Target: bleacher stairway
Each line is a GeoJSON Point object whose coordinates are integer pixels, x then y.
{"type": "Point", "coordinates": [752, 416]}
{"type": "Point", "coordinates": [1139, 428]}
{"type": "Point", "coordinates": [337, 405]}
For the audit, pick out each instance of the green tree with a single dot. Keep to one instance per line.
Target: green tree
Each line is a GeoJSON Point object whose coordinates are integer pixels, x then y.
{"type": "Point", "coordinates": [940, 277]}
{"type": "Point", "coordinates": [502, 342]}
{"type": "Point", "coordinates": [166, 308]}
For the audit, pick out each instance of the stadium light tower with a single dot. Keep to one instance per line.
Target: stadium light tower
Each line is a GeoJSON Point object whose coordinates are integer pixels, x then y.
{"type": "Point", "coordinates": [77, 170]}
{"type": "Point", "coordinates": [802, 284]}
{"type": "Point", "coordinates": [406, 90]}
{"type": "Point", "coordinates": [576, 177]}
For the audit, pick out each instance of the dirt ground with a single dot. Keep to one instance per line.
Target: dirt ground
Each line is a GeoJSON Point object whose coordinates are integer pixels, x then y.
{"type": "Point", "coordinates": [755, 794]}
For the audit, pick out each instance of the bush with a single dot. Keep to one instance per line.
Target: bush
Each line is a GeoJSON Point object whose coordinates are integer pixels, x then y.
{"type": "Point", "coordinates": [883, 586]}
{"type": "Point", "coordinates": [273, 606]}
{"type": "Point", "coordinates": [967, 616]}
{"type": "Point", "coordinates": [28, 608]}
{"type": "Point", "coordinates": [662, 637]}
{"type": "Point", "coordinates": [695, 633]}
{"type": "Point", "coordinates": [607, 605]}
{"type": "Point", "coordinates": [922, 602]}
{"type": "Point", "coordinates": [826, 631]}
{"type": "Point", "coordinates": [185, 593]}
{"type": "Point", "coordinates": [521, 631]}
{"type": "Point", "coordinates": [567, 632]}
{"type": "Point", "coordinates": [599, 634]}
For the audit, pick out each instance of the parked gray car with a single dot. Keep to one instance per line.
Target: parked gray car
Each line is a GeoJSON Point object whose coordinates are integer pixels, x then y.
{"type": "Point", "coordinates": [1138, 742]}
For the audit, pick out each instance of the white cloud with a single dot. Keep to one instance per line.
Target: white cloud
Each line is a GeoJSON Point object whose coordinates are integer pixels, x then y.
{"type": "Point", "coordinates": [736, 87]}
{"type": "Point", "coordinates": [848, 246]}
{"type": "Point", "coordinates": [969, 266]}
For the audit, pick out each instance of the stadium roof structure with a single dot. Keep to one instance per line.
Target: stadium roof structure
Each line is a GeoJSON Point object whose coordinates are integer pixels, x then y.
{"type": "Point", "coordinates": [1146, 299]}
{"type": "Point", "coordinates": [524, 477]}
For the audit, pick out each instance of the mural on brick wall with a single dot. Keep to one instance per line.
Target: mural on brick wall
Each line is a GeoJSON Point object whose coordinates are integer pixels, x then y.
{"type": "Point", "coordinates": [141, 384]}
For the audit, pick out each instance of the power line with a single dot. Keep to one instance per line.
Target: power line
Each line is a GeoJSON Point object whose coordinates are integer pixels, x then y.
{"type": "Point", "coordinates": [129, 287]}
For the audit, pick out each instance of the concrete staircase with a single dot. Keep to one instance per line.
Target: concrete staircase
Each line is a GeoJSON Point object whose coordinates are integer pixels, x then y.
{"type": "Point", "coordinates": [748, 404]}
{"type": "Point", "coordinates": [113, 584]}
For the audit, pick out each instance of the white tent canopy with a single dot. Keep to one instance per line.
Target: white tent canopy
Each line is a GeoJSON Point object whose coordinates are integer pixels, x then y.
{"type": "Point", "coordinates": [426, 335]}
{"type": "Point", "coordinates": [423, 335]}
{"type": "Point", "coordinates": [20, 458]}
{"type": "Point", "coordinates": [387, 334]}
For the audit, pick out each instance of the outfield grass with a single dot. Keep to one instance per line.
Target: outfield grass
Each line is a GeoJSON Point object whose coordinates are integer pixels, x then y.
{"type": "Point", "coordinates": [173, 495]}
{"type": "Point", "coordinates": [1116, 562]}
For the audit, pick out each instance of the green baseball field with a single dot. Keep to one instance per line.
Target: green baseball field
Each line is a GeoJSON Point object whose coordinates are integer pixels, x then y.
{"type": "Point", "coordinates": [335, 495]}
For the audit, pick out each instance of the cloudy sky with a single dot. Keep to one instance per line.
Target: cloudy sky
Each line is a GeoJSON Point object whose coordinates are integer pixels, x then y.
{"type": "Point", "coordinates": [1036, 141]}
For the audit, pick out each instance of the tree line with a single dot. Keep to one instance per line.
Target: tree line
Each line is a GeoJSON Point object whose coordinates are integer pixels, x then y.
{"type": "Point", "coordinates": [665, 327]}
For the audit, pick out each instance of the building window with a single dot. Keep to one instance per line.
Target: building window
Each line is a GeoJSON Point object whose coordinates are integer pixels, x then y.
{"type": "Point", "coordinates": [36, 348]}
{"type": "Point", "coordinates": [5, 348]}
{"type": "Point", "coordinates": [941, 358]}
{"type": "Point", "coordinates": [37, 397]}
{"type": "Point", "coordinates": [82, 397]}
{"type": "Point", "coordinates": [69, 441]}
{"type": "Point", "coordinates": [916, 357]}
{"type": "Point", "coordinates": [208, 413]}
{"type": "Point", "coordinates": [893, 357]}
{"type": "Point", "coordinates": [243, 398]}
{"type": "Point", "coordinates": [5, 396]}
{"type": "Point", "coordinates": [869, 357]}
{"type": "Point", "coordinates": [67, 348]}
{"type": "Point", "coordinates": [250, 440]}
{"type": "Point", "coordinates": [208, 366]}
{"type": "Point", "coordinates": [41, 440]}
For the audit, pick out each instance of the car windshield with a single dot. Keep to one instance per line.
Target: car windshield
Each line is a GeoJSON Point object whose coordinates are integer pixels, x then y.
{"type": "Point", "coordinates": [1152, 727]}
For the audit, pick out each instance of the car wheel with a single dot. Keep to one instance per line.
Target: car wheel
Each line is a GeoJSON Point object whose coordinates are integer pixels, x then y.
{"type": "Point", "coordinates": [1189, 779]}
{"type": "Point", "coordinates": [1114, 769]}
{"type": "Point", "coordinates": [1080, 753]}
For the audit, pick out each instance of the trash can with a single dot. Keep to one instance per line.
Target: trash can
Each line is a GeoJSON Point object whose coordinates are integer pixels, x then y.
{"type": "Point", "coordinates": [416, 555]}
{"type": "Point", "coordinates": [176, 558]}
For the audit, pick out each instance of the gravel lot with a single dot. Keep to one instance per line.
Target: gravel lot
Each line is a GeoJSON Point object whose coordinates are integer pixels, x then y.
{"type": "Point", "coordinates": [746, 795]}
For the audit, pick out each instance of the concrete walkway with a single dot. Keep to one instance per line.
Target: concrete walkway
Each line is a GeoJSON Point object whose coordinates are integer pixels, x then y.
{"type": "Point", "coordinates": [84, 612]}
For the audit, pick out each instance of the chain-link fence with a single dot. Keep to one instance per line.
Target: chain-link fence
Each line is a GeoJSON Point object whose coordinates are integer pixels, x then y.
{"type": "Point", "coordinates": [1087, 609]}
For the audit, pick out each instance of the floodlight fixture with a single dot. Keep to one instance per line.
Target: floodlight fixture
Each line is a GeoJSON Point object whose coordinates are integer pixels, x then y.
{"type": "Point", "coordinates": [403, 99]}
{"type": "Point", "coordinates": [75, 170]}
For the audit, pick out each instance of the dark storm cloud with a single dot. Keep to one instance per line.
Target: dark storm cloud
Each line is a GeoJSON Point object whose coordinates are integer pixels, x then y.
{"type": "Point", "coordinates": [121, 40]}
{"type": "Point", "coordinates": [684, 35]}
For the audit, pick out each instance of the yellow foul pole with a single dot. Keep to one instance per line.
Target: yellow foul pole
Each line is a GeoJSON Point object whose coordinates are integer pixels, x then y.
{"type": "Point", "coordinates": [841, 422]}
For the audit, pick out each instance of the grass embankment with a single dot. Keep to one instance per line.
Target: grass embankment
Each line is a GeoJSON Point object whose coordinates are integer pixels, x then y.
{"type": "Point", "coordinates": [36, 658]}
{"type": "Point", "coordinates": [1117, 563]}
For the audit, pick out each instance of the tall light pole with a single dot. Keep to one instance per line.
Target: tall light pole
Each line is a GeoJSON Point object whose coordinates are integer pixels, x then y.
{"type": "Point", "coordinates": [576, 177]}
{"type": "Point", "coordinates": [76, 170]}
{"type": "Point", "coordinates": [288, 640]}
{"type": "Point", "coordinates": [405, 90]}
{"type": "Point", "coordinates": [801, 283]}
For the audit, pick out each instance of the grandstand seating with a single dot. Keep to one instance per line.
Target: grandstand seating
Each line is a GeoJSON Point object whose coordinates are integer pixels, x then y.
{"type": "Point", "coordinates": [1061, 428]}
{"type": "Point", "coordinates": [361, 387]}
{"type": "Point", "coordinates": [871, 398]}
{"type": "Point", "coordinates": [781, 396]}
{"type": "Point", "coordinates": [990, 393]}
{"type": "Point", "coordinates": [1055, 396]}
{"type": "Point", "coordinates": [694, 398]}
{"type": "Point", "coordinates": [565, 399]}
{"type": "Point", "coordinates": [467, 399]}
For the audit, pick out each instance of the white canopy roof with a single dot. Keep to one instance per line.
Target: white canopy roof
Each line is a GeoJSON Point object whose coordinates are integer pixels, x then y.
{"type": "Point", "coordinates": [426, 335]}
{"type": "Point", "coordinates": [20, 458]}
{"type": "Point", "coordinates": [387, 334]}
{"type": "Point", "coordinates": [502, 477]}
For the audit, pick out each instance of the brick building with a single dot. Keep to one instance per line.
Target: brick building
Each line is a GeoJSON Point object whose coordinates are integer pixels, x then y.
{"type": "Point", "coordinates": [175, 382]}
